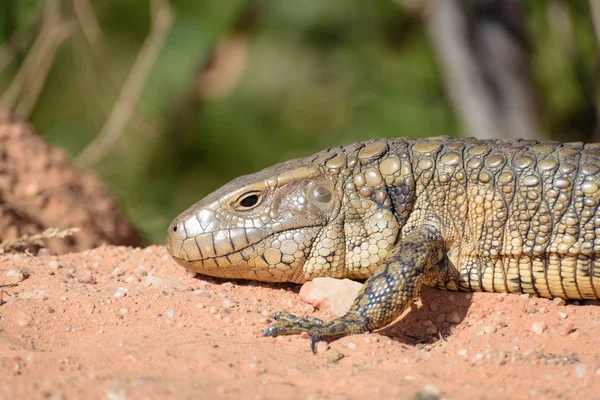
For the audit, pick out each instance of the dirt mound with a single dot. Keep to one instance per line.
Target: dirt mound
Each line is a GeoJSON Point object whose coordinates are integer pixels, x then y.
{"type": "Point", "coordinates": [125, 323]}
{"type": "Point", "coordinates": [40, 188]}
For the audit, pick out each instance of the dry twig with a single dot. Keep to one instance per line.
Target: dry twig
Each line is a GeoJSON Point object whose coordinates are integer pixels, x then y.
{"type": "Point", "coordinates": [122, 111]}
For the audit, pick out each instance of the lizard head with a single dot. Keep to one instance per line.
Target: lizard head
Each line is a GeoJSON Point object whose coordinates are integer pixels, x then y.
{"type": "Point", "coordinates": [261, 226]}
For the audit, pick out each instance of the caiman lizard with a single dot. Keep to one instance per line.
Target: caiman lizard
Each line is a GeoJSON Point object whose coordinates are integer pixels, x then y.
{"type": "Point", "coordinates": [513, 216]}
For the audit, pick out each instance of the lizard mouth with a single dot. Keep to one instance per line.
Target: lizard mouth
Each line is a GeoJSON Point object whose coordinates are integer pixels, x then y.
{"type": "Point", "coordinates": [186, 259]}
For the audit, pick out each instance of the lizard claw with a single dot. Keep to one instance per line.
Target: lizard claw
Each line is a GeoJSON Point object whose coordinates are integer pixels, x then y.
{"type": "Point", "coordinates": [290, 324]}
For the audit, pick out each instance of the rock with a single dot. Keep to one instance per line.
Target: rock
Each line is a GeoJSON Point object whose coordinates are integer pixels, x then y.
{"type": "Point", "coordinates": [121, 292]}
{"type": "Point", "coordinates": [334, 296]}
{"type": "Point", "coordinates": [321, 347]}
{"type": "Point", "coordinates": [432, 329]}
{"type": "Point", "coordinates": [160, 282]}
{"type": "Point", "coordinates": [558, 301]}
{"type": "Point", "coordinates": [539, 327]}
{"type": "Point", "coordinates": [87, 279]}
{"type": "Point", "coordinates": [334, 355]}
{"type": "Point", "coordinates": [45, 252]}
{"type": "Point", "coordinates": [489, 329]}
{"type": "Point", "coordinates": [21, 275]}
{"type": "Point", "coordinates": [454, 317]}
{"type": "Point", "coordinates": [580, 370]}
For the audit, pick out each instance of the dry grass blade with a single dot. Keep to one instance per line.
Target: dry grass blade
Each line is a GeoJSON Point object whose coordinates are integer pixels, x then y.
{"type": "Point", "coordinates": [36, 240]}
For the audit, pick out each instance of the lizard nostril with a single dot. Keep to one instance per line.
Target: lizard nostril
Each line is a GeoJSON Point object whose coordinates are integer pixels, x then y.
{"type": "Point", "coordinates": [175, 228]}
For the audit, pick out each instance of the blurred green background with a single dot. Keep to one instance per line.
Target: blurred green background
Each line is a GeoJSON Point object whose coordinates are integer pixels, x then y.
{"type": "Point", "coordinates": [240, 85]}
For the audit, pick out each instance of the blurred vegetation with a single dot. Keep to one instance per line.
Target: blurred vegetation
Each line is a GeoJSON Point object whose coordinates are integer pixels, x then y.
{"type": "Point", "coordinates": [240, 85]}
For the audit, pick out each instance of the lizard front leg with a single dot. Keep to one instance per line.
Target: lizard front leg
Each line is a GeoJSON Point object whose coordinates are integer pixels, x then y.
{"type": "Point", "coordinates": [383, 297]}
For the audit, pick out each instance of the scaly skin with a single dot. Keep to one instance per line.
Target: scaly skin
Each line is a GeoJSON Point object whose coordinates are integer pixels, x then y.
{"type": "Point", "coordinates": [457, 214]}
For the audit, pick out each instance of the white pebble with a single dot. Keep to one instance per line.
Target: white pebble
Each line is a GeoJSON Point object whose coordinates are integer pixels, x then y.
{"type": "Point", "coordinates": [489, 330]}
{"type": "Point", "coordinates": [580, 370]}
{"type": "Point", "coordinates": [170, 313]}
{"type": "Point", "coordinates": [563, 315]}
{"type": "Point", "coordinates": [117, 272]}
{"type": "Point", "coordinates": [431, 389]}
{"type": "Point", "coordinates": [351, 345]}
{"type": "Point", "coordinates": [462, 352]}
{"type": "Point", "coordinates": [121, 292]}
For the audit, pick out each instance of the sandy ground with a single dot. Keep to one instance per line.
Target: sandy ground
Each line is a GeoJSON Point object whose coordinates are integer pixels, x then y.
{"type": "Point", "coordinates": [125, 323]}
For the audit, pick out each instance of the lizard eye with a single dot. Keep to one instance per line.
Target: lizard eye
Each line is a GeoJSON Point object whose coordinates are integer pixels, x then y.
{"type": "Point", "coordinates": [248, 201]}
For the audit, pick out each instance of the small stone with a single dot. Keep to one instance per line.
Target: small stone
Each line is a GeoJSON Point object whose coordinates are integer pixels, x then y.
{"type": "Point", "coordinates": [68, 276]}
{"type": "Point", "coordinates": [87, 279]}
{"type": "Point", "coordinates": [524, 296]}
{"type": "Point", "coordinates": [228, 320]}
{"type": "Point", "coordinates": [321, 347]}
{"type": "Point", "coordinates": [203, 295]}
{"type": "Point", "coordinates": [19, 274]}
{"type": "Point", "coordinates": [23, 320]}
{"type": "Point", "coordinates": [453, 317]}
{"type": "Point", "coordinates": [228, 303]}
{"type": "Point", "coordinates": [580, 370]}
{"type": "Point", "coordinates": [54, 264]}
{"type": "Point", "coordinates": [563, 315]}
{"type": "Point", "coordinates": [462, 352]}
{"type": "Point", "coordinates": [351, 345]}
{"type": "Point", "coordinates": [45, 252]}
{"type": "Point", "coordinates": [539, 327]}
{"type": "Point", "coordinates": [489, 330]}
{"type": "Point", "coordinates": [432, 329]}
{"type": "Point", "coordinates": [213, 310]}
{"type": "Point", "coordinates": [431, 389]}
{"type": "Point", "coordinates": [121, 292]}
{"type": "Point", "coordinates": [334, 356]}
{"type": "Point", "coordinates": [331, 295]}
{"type": "Point", "coordinates": [200, 306]}
{"type": "Point", "coordinates": [160, 282]}
{"type": "Point", "coordinates": [558, 301]}
{"type": "Point", "coordinates": [434, 307]}
{"type": "Point", "coordinates": [427, 323]}
{"type": "Point", "coordinates": [191, 274]}
{"type": "Point", "coordinates": [132, 279]}
{"type": "Point", "coordinates": [117, 272]}
{"type": "Point", "coordinates": [170, 313]}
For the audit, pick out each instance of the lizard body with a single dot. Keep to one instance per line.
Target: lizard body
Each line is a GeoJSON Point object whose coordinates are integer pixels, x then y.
{"type": "Point", "coordinates": [457, 214]}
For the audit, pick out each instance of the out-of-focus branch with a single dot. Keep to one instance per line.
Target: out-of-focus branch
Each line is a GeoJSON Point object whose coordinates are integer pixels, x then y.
{"type": "Point", "coordinates": [92, 64]}
{"type": "Point", "coordinates": [24, 90]}
{"type": "Point", "coordinates": [112, 130]}
{"type": "Point", "coordinates": [560, 19]}
{"type": "Point", "coordinates": [484, 61]}
{"type": "Point", "coordinates": [595, 8]}
{"type": "Point", "coordinates": [88, 21]}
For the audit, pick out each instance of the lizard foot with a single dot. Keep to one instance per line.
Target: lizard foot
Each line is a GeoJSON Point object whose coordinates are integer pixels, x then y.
{"type": "Point", "coordinates": [290, 324]}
